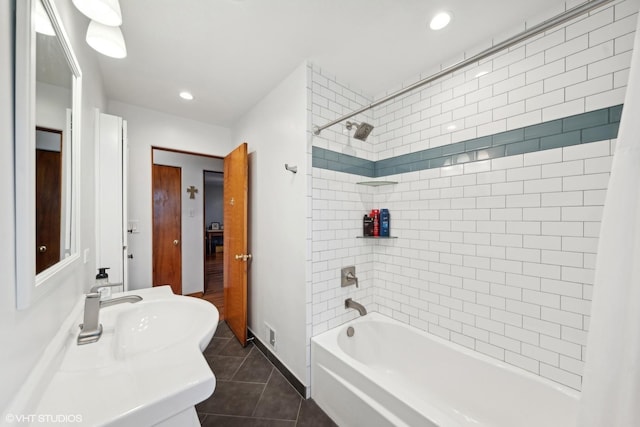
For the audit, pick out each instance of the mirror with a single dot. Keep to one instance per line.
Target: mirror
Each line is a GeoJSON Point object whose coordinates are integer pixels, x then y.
{"type": "Point", "coordinates": [48, 83]}
{"type": "Point", "coordinates": [49, 177]}
{"type": "Point", "coordinates": [54, 99]}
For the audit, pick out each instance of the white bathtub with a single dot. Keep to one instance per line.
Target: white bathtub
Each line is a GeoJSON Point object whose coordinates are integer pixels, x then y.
{"type": "Point", "coordinates": [390, 374]}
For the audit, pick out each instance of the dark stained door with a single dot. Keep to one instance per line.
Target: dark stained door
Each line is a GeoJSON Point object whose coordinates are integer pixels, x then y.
{"type": "Point", "coordinates": [167, 246]}
{"type": "Point", "coordinates": [236, 257]}
{"type": "Point", "coordinates": [48, 208]}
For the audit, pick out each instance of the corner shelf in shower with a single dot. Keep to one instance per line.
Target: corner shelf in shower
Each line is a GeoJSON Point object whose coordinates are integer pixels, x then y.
{"type": "Point", "coordinates": [376, 237]}
{"type": "Point", "coordinates": [376, 183]}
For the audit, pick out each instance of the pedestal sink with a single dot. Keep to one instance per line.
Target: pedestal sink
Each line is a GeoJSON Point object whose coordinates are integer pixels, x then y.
{"type": "Point", "coordinates": [155, 325]}
{"type": "Point", "coordinates": [147, 368]}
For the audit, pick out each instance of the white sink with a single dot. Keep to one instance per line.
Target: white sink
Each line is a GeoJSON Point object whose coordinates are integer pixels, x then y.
{"type": "Point", "coordinates": [146, 368]}
{"type": "Point", "coordinates": [154, 325]}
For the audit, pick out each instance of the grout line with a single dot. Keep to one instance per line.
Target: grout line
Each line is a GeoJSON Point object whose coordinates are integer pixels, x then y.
{"type": "Point", "coordinates": [247, 416]}
{"type": "Point", "coordinates": [205, 414]}
{"type": "Point", "coordinates": [240, 366]}
{"type": "Point", "coordinates": [263, 390]}
{"type": "Point", "coordinates": [273, 419]}
{"type": "Point", "coordinates": [299, 409]}
{"type": "Point", "coordinates": [240, 382]}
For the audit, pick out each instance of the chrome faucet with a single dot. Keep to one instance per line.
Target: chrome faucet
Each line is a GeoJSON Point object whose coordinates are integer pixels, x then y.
{"type": "Point", "coordinates": [349, 303]}
{"type": "Point", "coordinates": [91, 329]}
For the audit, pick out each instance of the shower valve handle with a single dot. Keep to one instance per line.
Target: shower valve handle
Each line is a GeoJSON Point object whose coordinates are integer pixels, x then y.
{"type": "Point", "coordinates": [353, 277]}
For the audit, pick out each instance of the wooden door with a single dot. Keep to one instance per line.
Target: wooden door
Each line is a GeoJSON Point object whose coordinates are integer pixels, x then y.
{"type": "Point", "coordinates": [48, 208]}
{"type": "Point", "coordinates": [236, 257]}
{"type": "Point", "coordinates": [167, 247]}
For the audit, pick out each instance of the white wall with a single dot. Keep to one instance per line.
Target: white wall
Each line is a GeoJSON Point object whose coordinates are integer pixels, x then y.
{"type": "Point", "coordinates": [192, 169]}
{"type": "Point", "coordinates": [51, 105]}
{"type": "Point", "coordinates": [498, 255]}
{"type": "Point", "coordinates": [146, 129]}
{"type": "Point", "coordinates": [275, 130]}
{"type": "Point", "coordinates": [495, 255]}
{"type": "Point", "coordinates": [333, 99]}
{"type": "Point", "coordinates": [24, 334]}
{"type": "Point", "coordinates": [338, 206]}
{"type": "Point", "coordinates": [580, 66]}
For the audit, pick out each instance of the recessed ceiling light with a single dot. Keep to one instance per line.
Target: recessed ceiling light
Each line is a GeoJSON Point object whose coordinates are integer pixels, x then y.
{"type": "Point", "coordinates": [186, 95]}
{"type": "Point", "coordinates": [440, 20]}
{"type": "Point", "coordinates": [482, 73]}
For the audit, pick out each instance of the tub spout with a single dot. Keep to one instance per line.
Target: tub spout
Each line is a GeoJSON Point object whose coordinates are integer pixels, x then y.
{"type": "Point", "coordinates": [349, 303]}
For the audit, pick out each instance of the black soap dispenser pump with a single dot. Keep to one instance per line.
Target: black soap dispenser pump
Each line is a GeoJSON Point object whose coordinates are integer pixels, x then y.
{"type": "Point", "coordinates": [102, 278]}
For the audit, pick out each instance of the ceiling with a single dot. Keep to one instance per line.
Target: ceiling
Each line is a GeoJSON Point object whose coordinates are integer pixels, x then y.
{"type": "Point", "coordinates": [231, 53]}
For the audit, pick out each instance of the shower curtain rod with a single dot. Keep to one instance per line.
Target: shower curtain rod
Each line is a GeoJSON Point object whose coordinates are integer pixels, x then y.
{"type": "Point", "coordinates": [537, 29]}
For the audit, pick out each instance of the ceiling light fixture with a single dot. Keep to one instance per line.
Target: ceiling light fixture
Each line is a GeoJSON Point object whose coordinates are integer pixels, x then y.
{"type": "Point", "coordinates": [440, 20]}
{"type": "Point", "coordinates": [106, 39]}
{"type": "Point", "coordinates": [106, 12]}
{"type": "Point", "coordinates": [186, 95]}
{"type": "Point", "coordinates": [42, 22]}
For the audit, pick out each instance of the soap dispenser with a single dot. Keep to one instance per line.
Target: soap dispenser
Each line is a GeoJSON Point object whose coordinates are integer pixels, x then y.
{"type": "Point", "coordinates": [102, 278]}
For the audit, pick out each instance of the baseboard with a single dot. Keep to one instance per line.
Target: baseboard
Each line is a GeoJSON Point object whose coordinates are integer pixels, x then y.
{"type": "Point", "coordinates": [293, 380]}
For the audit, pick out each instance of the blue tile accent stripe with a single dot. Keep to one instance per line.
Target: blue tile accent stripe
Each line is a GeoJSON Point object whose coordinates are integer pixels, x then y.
{"type": "Point", "coordinates": [327, 159]}
{"type": "Point", "coordinates": [579, 129]}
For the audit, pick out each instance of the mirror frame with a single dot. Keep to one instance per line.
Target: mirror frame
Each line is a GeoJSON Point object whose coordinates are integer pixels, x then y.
{"type": "Point", "coordinates": [29, 286]}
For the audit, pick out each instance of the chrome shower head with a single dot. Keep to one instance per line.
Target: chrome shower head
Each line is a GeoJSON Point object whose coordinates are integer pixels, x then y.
{"type": "Point", "coordinates": [362, 130]}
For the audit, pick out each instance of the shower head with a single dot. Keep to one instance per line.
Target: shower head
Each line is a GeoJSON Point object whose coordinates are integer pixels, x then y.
{"type": "Point", "coordinates": [362, 130]}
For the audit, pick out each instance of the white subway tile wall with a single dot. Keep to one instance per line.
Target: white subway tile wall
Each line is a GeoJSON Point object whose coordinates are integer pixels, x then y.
{"type": "Point", "coordinates": [566, 71]}
{"type": "Point", "coordinates": [503, 271]}
{"type": "Point", "coordinates": [330, 100]}
{"type": "Point", "coordinates": [495, 255]}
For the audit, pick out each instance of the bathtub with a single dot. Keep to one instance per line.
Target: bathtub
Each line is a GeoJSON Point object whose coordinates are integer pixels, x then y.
{"type": "Point", "coordinates": [391, 374]}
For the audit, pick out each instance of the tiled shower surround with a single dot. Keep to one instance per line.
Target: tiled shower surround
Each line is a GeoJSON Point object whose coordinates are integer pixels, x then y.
{"type": "Point", "coordinates": [494, 254]}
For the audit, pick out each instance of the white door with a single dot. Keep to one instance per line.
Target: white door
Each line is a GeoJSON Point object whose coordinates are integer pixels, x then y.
{"type": "Point", "coordinates": [111, 221]}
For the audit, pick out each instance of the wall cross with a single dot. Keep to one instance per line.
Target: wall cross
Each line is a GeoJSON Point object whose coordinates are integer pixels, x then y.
{"type": "Point", "coordinates": [192, 192]}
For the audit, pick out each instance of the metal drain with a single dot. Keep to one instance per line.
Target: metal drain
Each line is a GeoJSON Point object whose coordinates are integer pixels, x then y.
{"type": "Point", "coordinates": [350, 331]}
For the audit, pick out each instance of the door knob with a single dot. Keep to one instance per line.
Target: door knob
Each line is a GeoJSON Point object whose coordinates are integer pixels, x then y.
{"type": "Point", "coordinates": [42, 249]}
{"type": "Point", "coordinates": [243, 257]}
{"type": "Point", "coordinates": [175, 242]}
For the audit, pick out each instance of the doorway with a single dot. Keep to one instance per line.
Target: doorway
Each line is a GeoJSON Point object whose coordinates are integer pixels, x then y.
{"type": "Point", "coordinates": [214, 235]}
{"type": "Point", "coordinates": [235, 257]}
{"type": "Point", "coordinates": [48, 197]}
{"type": "Point", "coordinates": [167, 229]}
{"type": "Point", "coordinates": [184, 231]}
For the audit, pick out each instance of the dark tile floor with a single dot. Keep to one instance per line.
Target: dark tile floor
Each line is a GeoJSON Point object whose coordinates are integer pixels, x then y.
{"type": "Point", "coordinates": [250, 391]}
